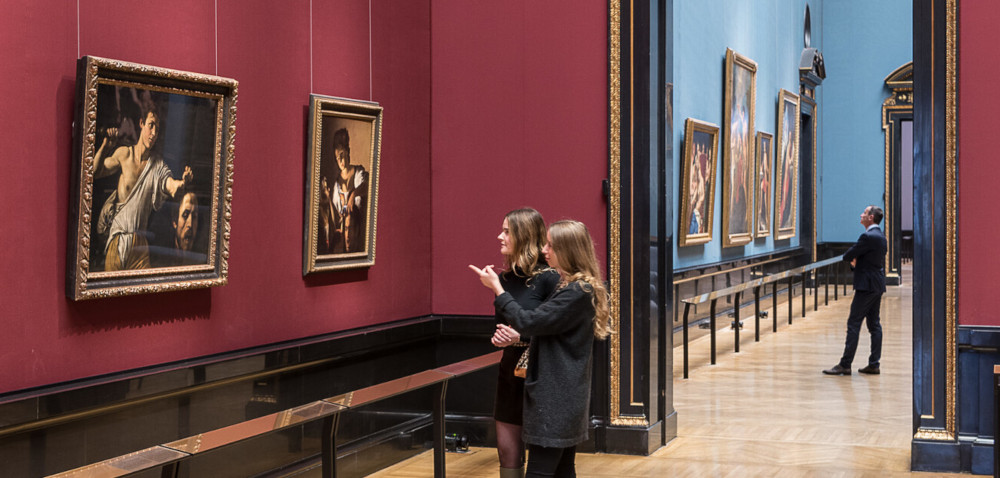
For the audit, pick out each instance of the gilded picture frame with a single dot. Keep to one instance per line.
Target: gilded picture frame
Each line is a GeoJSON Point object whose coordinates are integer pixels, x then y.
{"type": "Point", "coordinates": [152, 184]}
{"type": "Point", "coordinates": [342, 176]}
{"type": "Point", "coordinates": [786, 169]}
{"type": "Point", "coordinates": [697, 192]}
{"type": "Point", "coordinates": [738, 146]}
{"type": "Point", "coordinates": [765, 177]}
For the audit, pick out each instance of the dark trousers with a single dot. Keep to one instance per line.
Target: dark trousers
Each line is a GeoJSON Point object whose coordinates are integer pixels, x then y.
{"type": "Point", "coordinates": [864, 307]}
{"type": "Point", "coordinates": [544, 461]}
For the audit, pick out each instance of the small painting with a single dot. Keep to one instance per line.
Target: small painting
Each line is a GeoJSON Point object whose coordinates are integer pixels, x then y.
{"type": "Point", "coordinates": [701, 150]}
{"type": "Point", "coordinates": [738, 141]}
{"type": "Point", "coordinates": [342, 184]}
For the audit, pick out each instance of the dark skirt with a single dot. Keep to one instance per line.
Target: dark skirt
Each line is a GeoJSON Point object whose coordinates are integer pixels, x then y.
{"type": "Point", "coordinates": [508, 405]}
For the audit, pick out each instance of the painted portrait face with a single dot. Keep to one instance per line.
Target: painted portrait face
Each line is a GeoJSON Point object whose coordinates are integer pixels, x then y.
{"type": "Point", "coordinates": [186, 225]}
{"type": "Point", "coordinates": [343, 158]}
{"type": "Point", "coordinates": [150, 129]}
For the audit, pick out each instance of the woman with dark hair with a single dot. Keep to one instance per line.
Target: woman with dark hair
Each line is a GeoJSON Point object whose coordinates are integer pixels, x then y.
{"type": "Point", "coordinates": [529, 281]}
{"type": "Point", "coordinates": [562, 329]}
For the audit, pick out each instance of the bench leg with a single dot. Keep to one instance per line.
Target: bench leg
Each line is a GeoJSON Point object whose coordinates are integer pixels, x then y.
{"type": "Point", "coordinates": [684, 332]}
{"type": "Point", "coordinates": [711, 331]}
{"type": "Point", "coordinates": [328, 450]}
{"type": "Point", "coordinates": [440, 390]}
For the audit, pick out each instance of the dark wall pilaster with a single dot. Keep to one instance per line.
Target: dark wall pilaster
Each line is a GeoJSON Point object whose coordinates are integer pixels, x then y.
{"type": "Point", "coordinates": [640, 216]}
{"type": "Point", "coordinates": [935, 444]}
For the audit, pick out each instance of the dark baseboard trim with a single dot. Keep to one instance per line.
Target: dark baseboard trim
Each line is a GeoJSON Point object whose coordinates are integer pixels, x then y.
{"type": "Point", "coordinates": [939, 456]}
{"type": "Point", "coordinates": [641, 441]}
{"type": "Point", "coordinates": [979, 454]}
{"type": "Point", "coordinates": [135, 409]}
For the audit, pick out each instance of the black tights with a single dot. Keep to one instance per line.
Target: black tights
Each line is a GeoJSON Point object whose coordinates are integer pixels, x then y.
{"type": "Point", "coordinates": [557, 462]}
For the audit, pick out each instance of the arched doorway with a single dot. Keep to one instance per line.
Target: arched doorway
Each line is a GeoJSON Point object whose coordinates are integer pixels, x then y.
{"type": "Point", "coordinates": [897, 122]}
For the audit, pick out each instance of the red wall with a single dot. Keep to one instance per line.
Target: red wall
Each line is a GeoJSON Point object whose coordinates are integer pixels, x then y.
{"type": "Point", "coordinates": [265, 45]}
{"type": "Point", "coordinates": [519, 119]}
{"type": "Point", "coordinates": [489, 106]}
{"type": "Point", "coordinates": [978, 195]}
{"type": "Point", "coordinates": [504, 105]}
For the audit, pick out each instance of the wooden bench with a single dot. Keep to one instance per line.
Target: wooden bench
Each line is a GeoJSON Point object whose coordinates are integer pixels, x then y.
{"type": "Point", "coordinates": [756, 285]}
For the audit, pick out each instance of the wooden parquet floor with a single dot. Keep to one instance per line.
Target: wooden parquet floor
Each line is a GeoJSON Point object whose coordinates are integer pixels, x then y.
{"type": "Point", "coordinates": [768, 411]}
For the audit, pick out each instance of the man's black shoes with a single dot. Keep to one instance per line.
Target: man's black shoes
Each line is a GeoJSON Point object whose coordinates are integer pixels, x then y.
{"type": "Point", "coordinates": [870, 369]}
{"type": "Point", "coordinates": [838, 370]}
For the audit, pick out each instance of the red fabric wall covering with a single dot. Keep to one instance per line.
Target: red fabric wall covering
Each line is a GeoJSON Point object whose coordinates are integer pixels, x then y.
{"type": "Point", "coordinates": [519, 119]}
{"type": "Point", "coordinates": [978, 228]}
{"type": "Point", "coordinates": [264, 45]}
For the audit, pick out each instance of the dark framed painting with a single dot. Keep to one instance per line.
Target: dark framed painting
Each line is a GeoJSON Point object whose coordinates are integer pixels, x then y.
{"type": "Point", "coordinates": [345, 138]}
{"type": "Point", "coordinates": [764, 168]}
{"type": "Point", "coordinates": [786, 166]}
{"type": "Point", "coordinates": [701, 150]}
{"type": "Point", "coordinates": [738, 145]}
{"type": "Point", "coordinates": [152, 181]}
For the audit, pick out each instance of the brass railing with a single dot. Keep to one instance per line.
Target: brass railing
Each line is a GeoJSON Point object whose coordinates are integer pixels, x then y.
{"type": "Point", "coordinates": [168, 456]}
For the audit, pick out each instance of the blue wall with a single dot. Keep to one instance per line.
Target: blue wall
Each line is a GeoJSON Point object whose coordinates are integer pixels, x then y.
{"type": "Point", "coordinates": [864, 41]}
{"type": "Point", "coordinates": [770, 33]}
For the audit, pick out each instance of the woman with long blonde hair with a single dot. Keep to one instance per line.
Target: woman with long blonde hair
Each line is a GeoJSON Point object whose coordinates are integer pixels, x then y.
{"type": "Point", "coordinates": [528, 279]}
{"type": "Point", "coordinates": [563, 329]}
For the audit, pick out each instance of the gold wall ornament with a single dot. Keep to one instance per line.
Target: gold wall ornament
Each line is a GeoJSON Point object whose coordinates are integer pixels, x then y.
{"type": "Point", "coordinates": [614, 206]}
{"type": "Point", "coordinates": [951, 211]}
{"type": "Point", "coordinates": [934, 435]}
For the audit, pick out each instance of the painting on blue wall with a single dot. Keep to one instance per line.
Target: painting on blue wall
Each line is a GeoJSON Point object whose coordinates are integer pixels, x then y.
{"type": "Point", "coordinates": [765, 164]}
{"type": "Point", "coordinates": [787, 169]}
{"type": "Point", "coordinates": [738, 141]}
{"type": "Point", "coordinates": [701, 151]}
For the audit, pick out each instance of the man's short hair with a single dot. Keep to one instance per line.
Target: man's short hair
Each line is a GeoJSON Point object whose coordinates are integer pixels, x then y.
{"type": "Point", "coordinates": [148, 107]}
{"type": "Point", "coordinates": [876, 213]}
{"type": "Point", "coordinates": [341, 140]}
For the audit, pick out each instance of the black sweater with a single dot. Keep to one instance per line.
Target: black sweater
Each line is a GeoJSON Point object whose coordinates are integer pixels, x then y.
{"type": "Point", "coordinates": [557, 388]}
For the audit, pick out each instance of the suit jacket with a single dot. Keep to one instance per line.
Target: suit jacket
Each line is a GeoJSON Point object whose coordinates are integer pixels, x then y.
{"type": "Point", "coordinates": [869, 272]}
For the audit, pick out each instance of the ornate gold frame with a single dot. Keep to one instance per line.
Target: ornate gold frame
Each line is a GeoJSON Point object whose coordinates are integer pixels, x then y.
{"type": "Point", "coordinates": [762, 137]}
{"type": "Point", "coordinates": [787, 99]}
{"type": "Point", "coordinates": [733, 61]}
{"type": "Point", "coordinates": [81, 283]}
{"type": "Point", "coordinates": [351, 111]}
{"type": "Point", "coordinates": [692, 126]}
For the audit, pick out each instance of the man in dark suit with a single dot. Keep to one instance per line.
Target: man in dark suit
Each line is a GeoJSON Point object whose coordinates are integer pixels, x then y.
{"type": "Point", "coordinates": [867, 258]}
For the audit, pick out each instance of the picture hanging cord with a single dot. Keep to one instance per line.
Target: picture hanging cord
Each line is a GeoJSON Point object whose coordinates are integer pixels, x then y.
{"type": "Point", "coordinates": [311, 90]}
{"type": "Point", "coordinates": [370, 93]}
{"type": "Point", "coordinates": [216, 4]}
{"type": "Point", "coordinates": [216, 37]}
{"type": "Point", "coordinates": [216, 34]}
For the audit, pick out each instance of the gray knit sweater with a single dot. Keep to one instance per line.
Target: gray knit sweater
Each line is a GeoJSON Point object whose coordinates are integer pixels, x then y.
{"type": "Point", "coordinates": [557, 387]}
